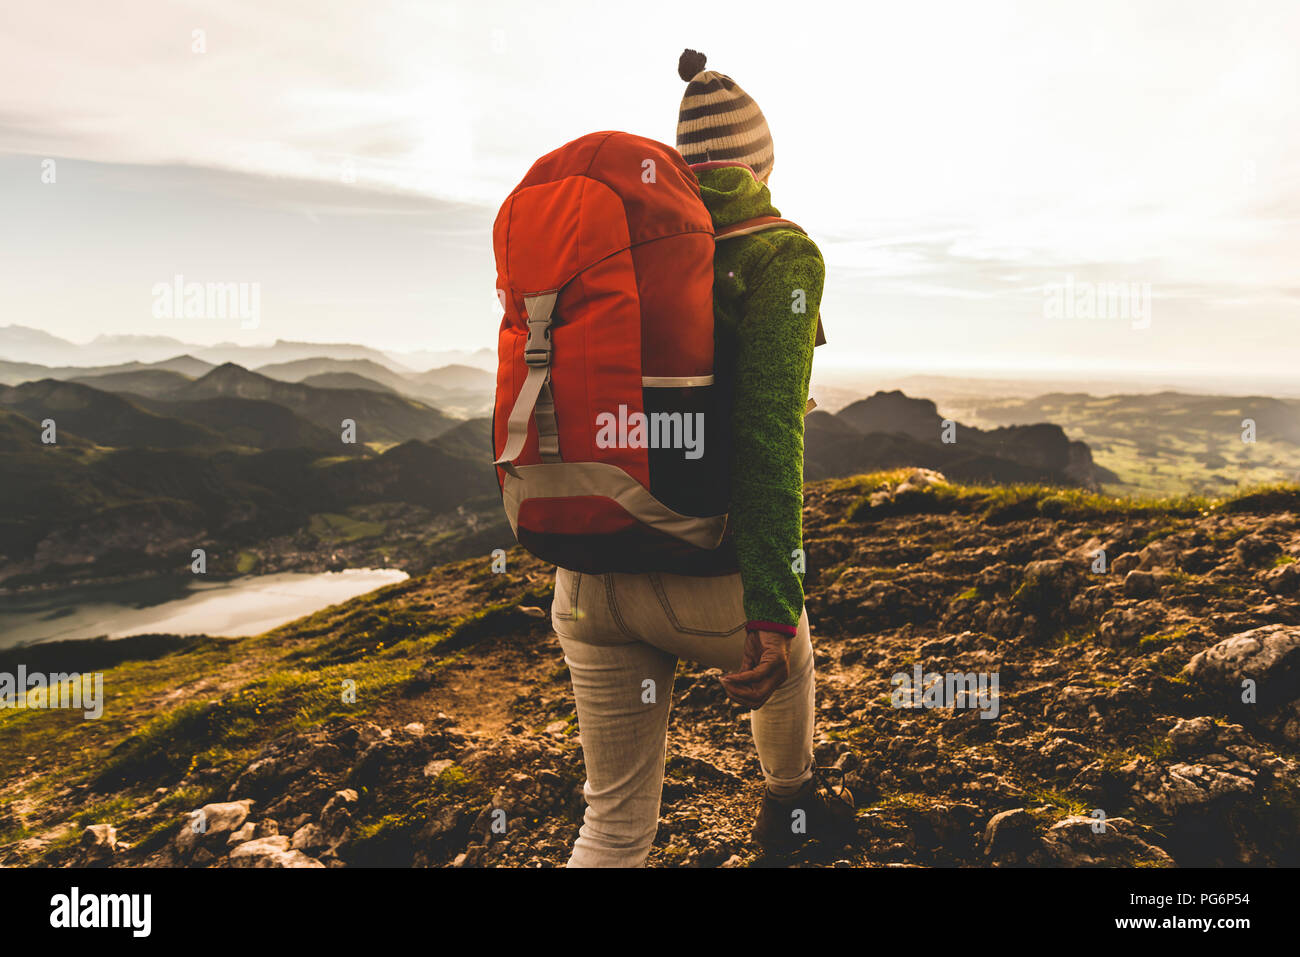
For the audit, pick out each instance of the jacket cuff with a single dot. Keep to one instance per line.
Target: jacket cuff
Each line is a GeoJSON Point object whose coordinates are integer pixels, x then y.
{"type": "Point", "coordinates": [787, 630]}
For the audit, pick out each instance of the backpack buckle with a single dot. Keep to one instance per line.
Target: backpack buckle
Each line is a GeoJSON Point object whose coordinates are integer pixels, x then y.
{"type": "Point", "coordinates": [537, 347]}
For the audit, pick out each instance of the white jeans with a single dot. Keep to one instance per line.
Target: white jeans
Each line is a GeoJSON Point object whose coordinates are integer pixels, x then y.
{"type": "Point", "coordinates": [622, 635]}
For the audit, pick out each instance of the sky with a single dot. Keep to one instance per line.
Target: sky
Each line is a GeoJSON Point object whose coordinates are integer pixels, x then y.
{"type": "Point", "coordinates": [965, 167]}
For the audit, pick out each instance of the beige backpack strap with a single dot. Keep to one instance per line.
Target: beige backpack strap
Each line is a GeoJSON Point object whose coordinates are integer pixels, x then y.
{"type": "Point", "coordinates": [535, 395]}
{"type": "Point", "coordinates": [756, 225]}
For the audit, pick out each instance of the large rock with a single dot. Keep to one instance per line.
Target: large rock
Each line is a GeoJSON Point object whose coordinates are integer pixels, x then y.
{"type": "Point", "coordinates": [1255, 549]}
{"type": "Point", "coordinates": [1120, 627]}
{"type": "Point", "coordinates": [245, 832]}
{"type": "Point", "coordinates": [1186, 786]}
{"type": "Point", "coordinates": [1193, 735]}
{"type": "Point", "coordinates": [1283, 580]}
{"type": "Point", "coordinates": [270, 852]}
{"type": "Point", "coordinates": [1009, 833]}
{"type": "Point", "coordinates": [212, 826]}
{"type": "Point", "coordinates": [309, 837]}
{"type": "Point", "coordinates": [1079, 841]}
{"type": "Point", "coordinates": [1139, 584]}
{"type": "Point", "coordinates": [1269, 656]}
{"type": "Point", "coordinates": [98, 843]}
{"type": "Point", "coordinates": [337, 813]}
{"type": "Point", "coordinates": [1266, 654]}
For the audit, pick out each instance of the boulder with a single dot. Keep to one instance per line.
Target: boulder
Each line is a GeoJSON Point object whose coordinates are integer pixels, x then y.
{"type": "Point", "coordinates": [98, 843]}
{"type": "Point", "coordinates": [270, 852]}
{"type": "Point", "coordinates": [1189, 786]}
{"type": "Point", "coordinates": [1270, 656]}
{"type": "Point", "coordinates": [1009, 833]}
{"type": "Point", "coordinates": [245, 832]}
{"type": "Point", "coordinates": [309, 837]}
{"type": "Point", "coordinates": [1079, 841]}
{"type": "Point", "coordinates": [1139, 584]}
{"type": "Point", "coordinates": [337, 813]}
{"type": "Point", "coordinates": [212, 825]}
{"type": "Point", "coordinates": [1283, 580]}
{"type": "Point", "coordinates": [1255, 549]}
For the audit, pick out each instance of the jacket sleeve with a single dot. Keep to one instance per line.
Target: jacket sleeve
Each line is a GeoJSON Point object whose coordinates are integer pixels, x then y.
{"type": "Point", "coordinates": [776, 334]}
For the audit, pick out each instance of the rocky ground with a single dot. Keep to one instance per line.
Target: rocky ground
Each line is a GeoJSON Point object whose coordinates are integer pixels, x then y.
{"type": "Point", "coordinates": [1148, 709]}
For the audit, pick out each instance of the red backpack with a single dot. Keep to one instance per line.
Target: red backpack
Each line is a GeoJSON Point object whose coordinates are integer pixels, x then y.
{"type": "Point", "coordinates": [609, 429]}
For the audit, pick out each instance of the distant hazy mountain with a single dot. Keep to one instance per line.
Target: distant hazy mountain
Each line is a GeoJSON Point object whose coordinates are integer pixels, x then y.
{"type": "Point", "coordinates": [253, 423]}
{"type": "Point", "coordinates": [431, 359]}
{"type": "Point", "coordinates": [891, 430]}
{"type": "Point", "coordinates": [108, 349]}
{"type": "Point", "coordinates": [894, 412]}
{"type": "Point", "coordinates": [251, 357]}
{"type": "Point", "coordinates": [27, 345]}
{"type": "Point", "coordinates": [154, 383]}
{"type": "Point", "coordinates": [459, 388]}
{"type": "Point", "coordinates": [470, 440]}
{"type": "Point", "coordinates": [458, 377]}
{"type": "Point", "coordinates": [346, 380]}
{"type": "Point", "coordinates": [1192, 418]}
{"type": "Point", "coordinates": [379, 417]}
{"type": "Point", "coordinates": [1172, 442]}
{"type": "Point", "coordinates": [24, 344]}
{"type": "Point", "coordinates": [102, 417]}
{"type": "Point", "coordinates": [14, 373]}
{"type": "Point", "coordinates": [185, 365]}
{"type": "Point", "coordinates": [300, 369]}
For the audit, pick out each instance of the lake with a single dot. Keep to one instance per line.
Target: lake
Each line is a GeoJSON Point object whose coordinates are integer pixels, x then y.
{"type": "Point", "coordinates": [241, 606]}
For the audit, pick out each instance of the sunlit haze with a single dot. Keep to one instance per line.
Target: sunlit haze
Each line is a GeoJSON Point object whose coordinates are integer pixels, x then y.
{"type": "Point", "coordinates": [958, 163]}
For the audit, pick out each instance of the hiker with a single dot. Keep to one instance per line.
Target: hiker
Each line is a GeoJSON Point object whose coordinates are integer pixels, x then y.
{"type": "Point", "coordinates": [655, 351]}
{"type": "Point", "coordinates": [627, 629]}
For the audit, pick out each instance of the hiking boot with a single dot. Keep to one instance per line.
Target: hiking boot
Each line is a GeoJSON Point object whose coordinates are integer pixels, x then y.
{"type": "Point", "coordinates": [829, 815]}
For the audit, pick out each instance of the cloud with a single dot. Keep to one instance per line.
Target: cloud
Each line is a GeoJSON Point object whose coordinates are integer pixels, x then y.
{"type": "Point", "coordinates": [950, 158]}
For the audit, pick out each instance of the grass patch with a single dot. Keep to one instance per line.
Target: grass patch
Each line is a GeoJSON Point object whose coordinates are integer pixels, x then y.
{"type": "Point", "coordinates": [224, 733]}
{"type": "Point", "coordinates": [996, 503]}
{"type": "Point", "coordinates": [1058, 804]}
{"type": "Point", "coordinates": [909, 800]}
{"type": "Point", "coordinates": [1163, 639]}
{"type": "Point", "coordinates": [1072, 636]}
{"type": "Point", "coordinates": [868, 482]}
{"type": "Point", "coordinates": [1268, 497]}
{"type": "Point", "coordinates": [1010, 502]}
{"type": "Point", "coordinates": [113, 811]}
{"type": "Point", "coordinates": [385, 830]}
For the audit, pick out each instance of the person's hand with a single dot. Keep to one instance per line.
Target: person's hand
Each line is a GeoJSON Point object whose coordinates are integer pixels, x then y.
{"type": "Point", "coordinates": [763, 669]}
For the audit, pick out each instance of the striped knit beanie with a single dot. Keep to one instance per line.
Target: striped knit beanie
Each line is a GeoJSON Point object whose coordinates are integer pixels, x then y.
{"type": "Point", "coordinates": [720, 121]}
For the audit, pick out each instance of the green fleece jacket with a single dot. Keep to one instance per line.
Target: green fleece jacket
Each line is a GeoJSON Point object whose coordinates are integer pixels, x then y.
{"type": "Point", "coordinates": [766, 297]}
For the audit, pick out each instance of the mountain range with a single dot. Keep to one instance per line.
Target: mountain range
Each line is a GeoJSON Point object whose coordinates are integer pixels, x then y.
{"type": "Point", "coordinates": [23, 344]}
{"type": "Point", "coordinates": [462, 391]}
{"type": "Point", "coordinates": [155, 455]}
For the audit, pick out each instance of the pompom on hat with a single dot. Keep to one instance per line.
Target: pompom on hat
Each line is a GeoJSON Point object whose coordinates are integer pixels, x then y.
{"type": "Point", "coordinates": [720, 121]}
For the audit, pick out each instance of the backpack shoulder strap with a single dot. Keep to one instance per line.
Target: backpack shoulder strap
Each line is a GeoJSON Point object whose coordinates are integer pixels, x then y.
{"type": "Point", "coordinates": [758, 224]}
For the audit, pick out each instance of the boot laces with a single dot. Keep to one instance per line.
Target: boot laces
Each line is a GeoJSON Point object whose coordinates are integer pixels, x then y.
{"type": "Point", "coordinates": [837, 792]}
